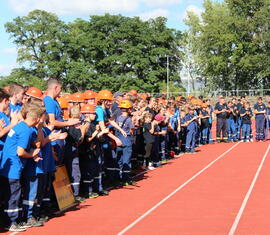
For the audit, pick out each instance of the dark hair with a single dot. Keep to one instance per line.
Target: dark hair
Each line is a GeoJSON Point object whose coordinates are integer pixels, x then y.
{"type": "Point", "coordinates": [3, 94]}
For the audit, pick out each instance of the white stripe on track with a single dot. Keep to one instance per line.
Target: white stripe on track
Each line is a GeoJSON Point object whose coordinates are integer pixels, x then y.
{"type": "Point", "coordinates": [175, 191]}
{"type": "Point", "coordinates": [242, 208]}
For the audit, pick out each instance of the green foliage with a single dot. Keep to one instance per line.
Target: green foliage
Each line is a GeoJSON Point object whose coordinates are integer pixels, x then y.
{"type": "Point", "coordinates": [230, 43]}
{"type": "Point", "coordinates": [110, 51]}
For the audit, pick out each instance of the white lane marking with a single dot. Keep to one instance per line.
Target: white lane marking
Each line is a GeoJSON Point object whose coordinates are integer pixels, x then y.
{"type": "Point", "coordinates": [241, 210]}
{"type": "Point", "coordinates": [175, 191]}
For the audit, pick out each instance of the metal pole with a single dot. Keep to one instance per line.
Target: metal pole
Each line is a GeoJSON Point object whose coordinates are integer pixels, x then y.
{"type": "Point", "coordinates": [168, 89]}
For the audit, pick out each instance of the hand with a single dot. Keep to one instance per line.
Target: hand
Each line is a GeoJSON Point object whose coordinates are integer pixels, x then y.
{"type": "Point", "coordinates": [2, 123]}
{"type": "Point", "coordinates": [106, 131]}
{"type": "Point", "coordinates": [57, 135]}
{"type": "Point", "coordinates": [37, 158]}
{"type": "Point", "coordinates": [35, 152]}
{"type": "Point", "coordinates": [15, 118]}
{"type": "Point", "coordinates": [74, 121]}
{"type": "Point", "coordinates": [123, 133]}
{"type": "Point", "coordinates": [118, 142]}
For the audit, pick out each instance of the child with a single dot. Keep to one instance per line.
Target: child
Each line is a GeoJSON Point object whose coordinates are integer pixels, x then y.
{"type": "Point", "coordinates": [149, 138]}
{"type": "Point", "coordinates": [13, 161]}
{"type": "Point", "coordinates": [190, 124]}
{"type": "Point", "coordinates": [75, 138]}
{"type": "Point", "coordinates": [124, 152]}
{"type": "Point", "coordinates": [205, 124]}
{"type": "Point", "coordinates": [16, 92]}
{"type": "Point", "coordinates": [246, 115]}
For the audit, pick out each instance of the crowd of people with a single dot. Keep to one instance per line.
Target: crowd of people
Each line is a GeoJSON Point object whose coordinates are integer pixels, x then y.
{"type": "Point", "coordinates": [101, 138]}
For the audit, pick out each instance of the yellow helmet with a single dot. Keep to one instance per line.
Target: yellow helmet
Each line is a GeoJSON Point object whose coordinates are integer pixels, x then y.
{"type": "Point", "coordinates": [125, 104]}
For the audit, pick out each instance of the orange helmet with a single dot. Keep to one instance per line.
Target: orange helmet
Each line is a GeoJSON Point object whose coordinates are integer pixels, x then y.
{"type": "Point", "coordinates": [204, 105]}
{"type": "Point", "coordinates": [34, 92]}
{"type": "Point", "coordinates": [194, 101]}
{"type": "Point", "coordinates": [144, 96]}
{"type": "Point", "coordinates": [66, 114]}
{"type": "Point", "coordinates": [77, 97]}
{"type": "Point", "coordinates": [199, 102]}
{"type": "Point", "coordinates": [88, 108]}
{"type": "Point", "coordinates": [105, 95]}
{"type": "Point", "coordinates": [178, 98]}
{"type": "Point", "coordinates": [66, 96]}
{"type": "Point", "coordinates": [133, 92]}
{"type": "Point", "coordinates": [90, 94]}
{"type": "Point", "coordinates": [63, 103]}
{"type": "Point", "coordinates": [125, 104]}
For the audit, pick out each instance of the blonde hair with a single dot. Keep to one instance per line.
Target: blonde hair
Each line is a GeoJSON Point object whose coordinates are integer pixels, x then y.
{"type": "Point", "coordinates": [32, 110]}
{"type": "Point", "coordinates": [75, 112]}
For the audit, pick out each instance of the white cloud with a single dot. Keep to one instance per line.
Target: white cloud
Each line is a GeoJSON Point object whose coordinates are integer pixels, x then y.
{"type": "Point", "coordinates": [192, 8]}
{"type": "Point", "coordinates": [5, 69]}
{"type": "Point", "coordinates": [86, 7]}
{"type": "Point", "coordinates": [9, 51]}
{"type": "Point", "coordinates": [153, 14]}
{"type": "Point", "coordinates": [157, 3]}
{"type": "Point", "coordinates": [72, 7]}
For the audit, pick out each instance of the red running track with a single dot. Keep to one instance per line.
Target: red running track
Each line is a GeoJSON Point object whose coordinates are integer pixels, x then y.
{"type": "Point", "coordinates": [207, 204]}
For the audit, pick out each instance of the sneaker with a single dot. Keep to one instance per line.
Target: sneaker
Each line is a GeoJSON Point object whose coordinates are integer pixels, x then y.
{"type": "Point", "coordinates": [32, 222]}
{"type": "Point", "coordinates": [103, 193]}
{"type": "Point", "coordinates": [131, 182]}
{"type": "Point", "coordinates": [92, 195]}
{"type": "Point", "coordinates": [16, 228]}
{"type": "Point", "coordinates": [79, 199]}
{"type": "Point", "coordinates": [151, 168]}
{"type": "Point", "coordinates": [43, 218]}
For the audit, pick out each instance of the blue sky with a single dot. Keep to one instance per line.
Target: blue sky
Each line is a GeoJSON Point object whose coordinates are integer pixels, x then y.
{"type": "Point", "coordinates": [68, 10]}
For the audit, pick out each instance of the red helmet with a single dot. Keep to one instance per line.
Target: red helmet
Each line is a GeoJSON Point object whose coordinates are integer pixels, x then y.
{"type": "Point", "coordinates": [88, 108]}
{"type": "Point", "coordinates": [34, 92]}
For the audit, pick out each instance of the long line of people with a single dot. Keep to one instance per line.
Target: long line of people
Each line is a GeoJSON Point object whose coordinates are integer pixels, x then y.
{"type": "Point", "coordinates": [101, 138]}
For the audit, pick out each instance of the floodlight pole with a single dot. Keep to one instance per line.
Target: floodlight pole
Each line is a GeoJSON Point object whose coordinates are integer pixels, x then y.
{"type": "Point", "coordinates": [168, 88]}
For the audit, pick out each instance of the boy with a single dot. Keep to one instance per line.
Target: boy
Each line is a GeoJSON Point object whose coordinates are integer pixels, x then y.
{"type": "Point", "coordinates": [246, 115]}
{"type": "Point", "coordinates": [124, 152]}
{"type": "Point", "coordinates": [15, 153]}
{"type": "Point", "coordinates": [16, 92]}
{"type": "Point", "coordinates": [190, 124]}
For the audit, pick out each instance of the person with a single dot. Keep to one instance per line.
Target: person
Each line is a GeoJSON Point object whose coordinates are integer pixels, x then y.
{"type": "Point", "coordinates": [54, 112]}
{"type": "Point", "coordinates": [221, 110]}
{"type": "Point", "coordinates": [16, 92]}
{"type": "Point", "coordinates": [205, 124]}
{"type": "Point", "coordinates": [15, 153]}
{"type": "Point", "coordinates": [118, 97]}
{"type": "Point", "coordinates": [231, 122]}
{"type": "Point", "coordinates": [104, 120]}
{"type": "Point", "coordinates": [125, 150]}
{"type": "Point", "coordinates": [149, 138]}
{"type": "Point", "coordinates": [75, 137]}
{"type": "Point", "coordinates": [191, 125]}
{"type": "Point", "coordinates": [260, 112]}
{"type": "Point", "coordinates": [246, 114]}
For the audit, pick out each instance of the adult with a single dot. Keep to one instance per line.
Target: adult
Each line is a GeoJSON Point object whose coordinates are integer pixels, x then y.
{"type": "Point", "coordinates": [221, 111]}
{"type": "Point", "coordinates": [260, 113]}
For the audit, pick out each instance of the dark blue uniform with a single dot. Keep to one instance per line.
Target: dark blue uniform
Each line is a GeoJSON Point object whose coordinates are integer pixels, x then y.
{"type": "Point", "coordinates": [260, 121]}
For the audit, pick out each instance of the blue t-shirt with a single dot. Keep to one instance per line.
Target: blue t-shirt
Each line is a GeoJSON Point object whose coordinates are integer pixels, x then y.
{"type": "Point", "coordinates": [260, 107]}
{"type": "Point", "coordinates": [47, 154]}
{"type": "Point", "coordinates": [31, 166]}
{"type": "Point", "coordinates": [15, 108]}
{"type": "Point", "coordinates": [102, 114]}
{"type": "Point", "coordinates": [11, 164]}
{"type": "Point", "coordinates": [128, 125]}
{"type": "Point", "coordinates": [192, 125]}
{"type": "Point", "coordinates": [6, 119]}
{"type": "Point", "coordinates": [53, 107]}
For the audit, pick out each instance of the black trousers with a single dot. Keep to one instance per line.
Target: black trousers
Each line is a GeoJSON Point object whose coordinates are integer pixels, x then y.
{"type": "Point", "coordinates": [222, 127]}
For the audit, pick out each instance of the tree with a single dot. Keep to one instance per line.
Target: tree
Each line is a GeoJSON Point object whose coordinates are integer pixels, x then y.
{"type": "Point", "coordinates": [231, 43]}
{"type": "Point", "coordinates": [110, 51]}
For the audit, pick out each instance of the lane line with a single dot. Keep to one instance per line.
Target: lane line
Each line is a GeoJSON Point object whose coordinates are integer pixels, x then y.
{"type": "Point", "coordinates": [242, 208]}
{"type": "Point", "coordinates": [175, 191]}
